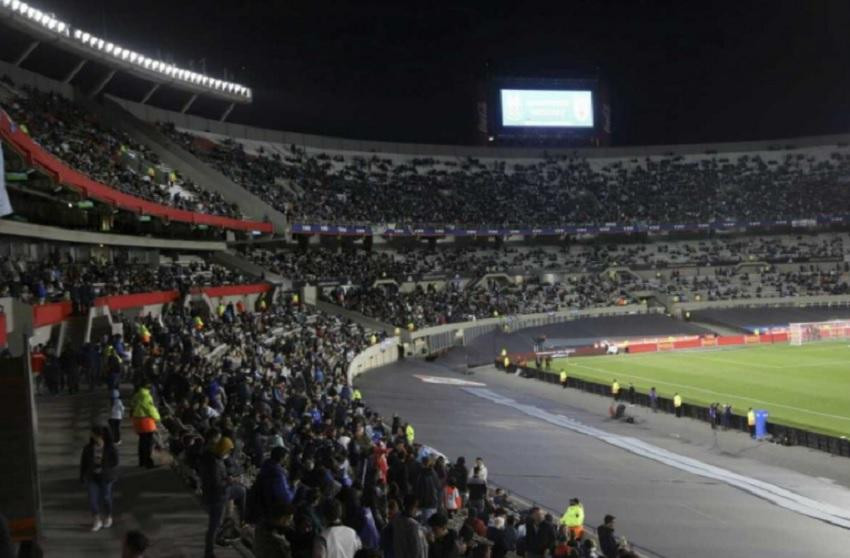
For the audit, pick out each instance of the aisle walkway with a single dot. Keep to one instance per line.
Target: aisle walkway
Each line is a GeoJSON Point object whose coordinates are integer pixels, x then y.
{"type": "Point", "coordinates": [154, 501]}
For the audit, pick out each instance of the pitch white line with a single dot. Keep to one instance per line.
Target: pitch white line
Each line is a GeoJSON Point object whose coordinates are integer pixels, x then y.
{"type": "Point", "coordinates": [719, 393]}
{"type": "Point", "coordinates": [776, 494]}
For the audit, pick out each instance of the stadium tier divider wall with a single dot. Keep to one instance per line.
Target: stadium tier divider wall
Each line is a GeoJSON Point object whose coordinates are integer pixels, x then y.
{"type": "Point", "coordinates": [783, 434]}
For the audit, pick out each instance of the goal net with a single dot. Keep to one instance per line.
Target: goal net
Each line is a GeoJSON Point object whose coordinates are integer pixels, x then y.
{"type": "Point", "coordinates": [808, 332]}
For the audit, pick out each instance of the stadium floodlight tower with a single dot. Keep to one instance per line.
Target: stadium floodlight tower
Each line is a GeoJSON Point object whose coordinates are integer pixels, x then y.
{"type": "Point", "coordinates": [46, 28]}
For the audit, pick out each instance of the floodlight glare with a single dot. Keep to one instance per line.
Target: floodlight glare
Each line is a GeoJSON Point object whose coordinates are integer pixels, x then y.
{"type": "Point", "coordinates": [108, 48]}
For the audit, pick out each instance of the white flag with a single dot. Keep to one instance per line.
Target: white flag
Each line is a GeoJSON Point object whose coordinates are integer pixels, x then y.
{"type": "Point", "coordinates": [5, 204]}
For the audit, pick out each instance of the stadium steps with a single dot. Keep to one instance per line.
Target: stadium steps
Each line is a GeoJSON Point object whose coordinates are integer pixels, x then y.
{"type": "Point", "coordinates": [356, 317]}
{"type": "Point", "coordinates": [235, 261]}
{"type": "Point", "coordinates": [720, 329]}
{"type": "Point", "coordinates": [185, 163]}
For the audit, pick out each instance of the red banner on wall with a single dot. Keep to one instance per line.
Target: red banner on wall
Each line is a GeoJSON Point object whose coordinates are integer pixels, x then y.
{"type": "Point", "coordinates": [62, 173]}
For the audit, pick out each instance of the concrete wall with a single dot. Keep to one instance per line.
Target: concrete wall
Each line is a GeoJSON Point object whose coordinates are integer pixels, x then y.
{"type": "Point", "coordinates": [44, 232]}
{"type": "Point", "coordinates": [380, 354]}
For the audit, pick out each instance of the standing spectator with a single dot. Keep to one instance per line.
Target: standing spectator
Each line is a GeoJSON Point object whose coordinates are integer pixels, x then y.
{"type": "Point", "coordinates": [539, 535]}
{"type": "Point", "coordinates": [116, 413]}
{"type": "Point", "coordinates": [607, 540]}
{"type": "Point", "coordinates": [564, 378]}
{"type": "Point", "coordinates": [451, 498]}
{"type": "Point", "coordinates": [460, 475]}
{"type": "Point", "coordinates": [443, 542]}
{"type": "Point", "coordinates": [274, 482]}
{"type": "Point", "coordinates": [269, 538]}
{"type": "Point", "coordinates": [653, 399]}
{"type": "Point", "coordinates": [677, 405]}
{"type": "Point", "coordinates": [573, 519]}
{"type": "Point", "coordinates": [408, 539]}
{"type": "Point", "coordinates": [145, 416]}
{"type": "Point", "coordinates": [135, 544]}
{"type": "Point", "coordinates": [427, 489]}
{"type": "Point", "coordinates": [726, 420]}
{"type": "Point", "coordinates": [37, 362]}
{"type": "Point", "coordinates": [482, 468]}
{"type": "Point", "coordinates": [477, 490]}
{"type": "Point", "coordinates": [712, 415]}
{"type": "Point", "coordinates": [98, 462]}
{"type": "Point", "coordinates": [336, 540]}
{"type": "Point", "coordinates": [615, 389]}
{"type": "Point", "coordinates": [631, 393]}
{"type": "Point", "coordinates": [214, 488]}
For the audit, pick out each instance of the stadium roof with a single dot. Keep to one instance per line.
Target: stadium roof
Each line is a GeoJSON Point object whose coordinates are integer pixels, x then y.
{"type": "Point", "coordinates": [49, 29]}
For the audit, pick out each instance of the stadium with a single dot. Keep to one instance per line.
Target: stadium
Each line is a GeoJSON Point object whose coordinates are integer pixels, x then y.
{"type": "Point", "coordinates": [283, 311]}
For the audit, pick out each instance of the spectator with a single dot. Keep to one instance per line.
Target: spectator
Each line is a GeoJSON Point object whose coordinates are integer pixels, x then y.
{"type": "Point", "coordinates": [539, 535]}
{"type": "Point", "coordinates": [98, 464]}
{"type": "Point", "coordinates": [408, 538]}
{"type": "Point", "coordinates": [607, 541]}
{"type": "Point", "coordinates": [336, 540]}
{"type": "Point", "coordinates": [443, 541]}
{"type": "Point", "coordinates": [270, 534]}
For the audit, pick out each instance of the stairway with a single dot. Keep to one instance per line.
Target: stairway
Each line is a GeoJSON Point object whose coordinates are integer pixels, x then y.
{"type": "Point", "coordinates": [173, 155]}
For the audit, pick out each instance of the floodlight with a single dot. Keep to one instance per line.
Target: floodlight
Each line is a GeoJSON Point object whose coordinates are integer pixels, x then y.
{"type": "Point", "coordinates": [77, 33]}
{"type": "Point", "coordinates": [86, 37]}
{"type": "Point", "coordinates": [60, 28]}
{"type": "Point", "coordinates": [6, 2]}
{"type": "Point", "coordinates": [100, 43]}
{"type": "Point", "coordinates": [108, 48]}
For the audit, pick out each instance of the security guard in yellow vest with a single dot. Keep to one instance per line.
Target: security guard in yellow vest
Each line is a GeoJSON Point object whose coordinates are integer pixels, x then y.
{"type": "Point", "coordinates": [677, 405]}
{"type": "Point", "coordinates": [409, 433]}
{"type": "Point", "coordinates": [506, 362]}
{"type": "Point", "coordinates": [564, 378]}
{"type": "Point", "coordinates": [573, 518]}
{"type": "Point", "coordinates": [751, 422]}
{"type": "Point", "coordinates": [615, 389]}
{"type": "Point", "coordinates": [356, 395]}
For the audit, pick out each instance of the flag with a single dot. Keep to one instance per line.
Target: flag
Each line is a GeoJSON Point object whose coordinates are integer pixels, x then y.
{"type": "Point", "coordinates": [5, 204]}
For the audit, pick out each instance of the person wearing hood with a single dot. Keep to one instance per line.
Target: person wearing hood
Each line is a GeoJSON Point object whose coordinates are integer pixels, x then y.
{"type": "Point", "coordinates": [145, 416]}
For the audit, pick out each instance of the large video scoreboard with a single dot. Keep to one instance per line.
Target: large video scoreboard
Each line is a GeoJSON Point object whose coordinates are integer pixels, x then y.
{"type": "Point", "coordinates": [534, 110]}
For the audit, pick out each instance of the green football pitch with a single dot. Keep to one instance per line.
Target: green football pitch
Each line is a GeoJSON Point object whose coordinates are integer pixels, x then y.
{"type": "Point", "coordinates": [806, 387]}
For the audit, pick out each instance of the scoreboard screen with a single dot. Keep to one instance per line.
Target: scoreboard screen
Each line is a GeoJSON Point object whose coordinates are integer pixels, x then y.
{"type": "Point", "coordinates": [530, 108]}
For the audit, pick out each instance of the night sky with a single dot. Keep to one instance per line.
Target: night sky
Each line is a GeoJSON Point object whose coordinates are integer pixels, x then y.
{"type": "Point", "coordinates": [678, 71]}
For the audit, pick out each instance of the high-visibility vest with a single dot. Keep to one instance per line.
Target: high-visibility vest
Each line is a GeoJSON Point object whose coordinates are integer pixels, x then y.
{"type": "Point", "coordinates": [504, 352]}
{"type": "Point", "coordinates": [677, 401]}
{"type": "Point", "coordinates": [615, 388]}
{"type": "Point", "coordinates": [357, 396]}
{"type": "Point", "coordinates": [410, 434]}
{"type": "Point", "coordinates": [507, 362]}
{"type": "Point", "coordinates": [574, 516]}
{"type": "Point", "coordinates": [373, 339]}
{"type": "Point", "coordinates": [751, 418]}
{"type": "Point", "coordinates": [563, 376]}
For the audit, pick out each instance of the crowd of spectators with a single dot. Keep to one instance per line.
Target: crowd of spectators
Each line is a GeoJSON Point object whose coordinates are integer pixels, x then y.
{"type": "Point", "coordinates": [60, 277]}
{"type": "Point", "coordinates": [555, 190]}
{"type": "Point", "coordinates": [429, 305]}
{"type": "Point", "coordinates": [109, 156]}
{"type": "Point", "coordinates": [287, 457]}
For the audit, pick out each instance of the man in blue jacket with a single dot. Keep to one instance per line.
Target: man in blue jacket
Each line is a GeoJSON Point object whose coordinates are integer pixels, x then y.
{"type": "Point", "coordinates": [275, 485]}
